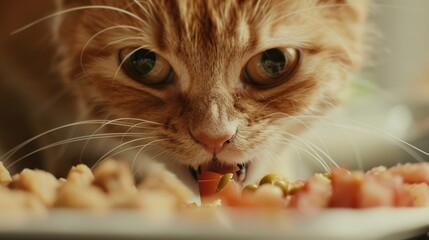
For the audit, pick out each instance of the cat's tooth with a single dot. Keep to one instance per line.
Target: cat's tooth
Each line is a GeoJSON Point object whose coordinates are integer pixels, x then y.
{"type": "Point", "coordinates": [241, 174]}
{"type": "Point", "coordinates": [241, 165]}
{"type": "Point", "coordinates": [195, 172]}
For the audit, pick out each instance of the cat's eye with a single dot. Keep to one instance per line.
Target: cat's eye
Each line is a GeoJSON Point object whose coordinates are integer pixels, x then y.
{"type": "Point", "coordinates": [272, 67]}
{"type": "Point", "coordinates": [145, 67]}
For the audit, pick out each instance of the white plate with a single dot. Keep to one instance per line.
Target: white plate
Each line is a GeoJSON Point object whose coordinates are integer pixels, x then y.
{"type": "Point", "coordinates": [378, 223]}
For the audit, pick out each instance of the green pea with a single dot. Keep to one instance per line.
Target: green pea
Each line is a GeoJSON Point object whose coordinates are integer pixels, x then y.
{"type": "Point", "coordinates": [270, 178]}
{"type": "Point", "coordinates": [250, 188]}
{"type": "Point", "coordinates": [283, 185]}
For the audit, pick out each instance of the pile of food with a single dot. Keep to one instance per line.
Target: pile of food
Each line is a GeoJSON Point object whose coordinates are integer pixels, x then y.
{"type": "Point", "coordinates": [111, 185]}
{"type": "Point", "coordinates": [400, 186]}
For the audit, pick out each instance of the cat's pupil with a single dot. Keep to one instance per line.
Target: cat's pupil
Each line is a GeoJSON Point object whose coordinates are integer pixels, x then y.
{"type": "Point", "coordinates": [273, 61]}
{"type": "Point", "coordinates": [142, 62]}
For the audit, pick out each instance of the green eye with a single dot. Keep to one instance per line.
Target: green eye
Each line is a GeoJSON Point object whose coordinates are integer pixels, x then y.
{"type": "Point", "coordinates": [272, 67]}
{"type": "Point", "coordinates": [145, 66]}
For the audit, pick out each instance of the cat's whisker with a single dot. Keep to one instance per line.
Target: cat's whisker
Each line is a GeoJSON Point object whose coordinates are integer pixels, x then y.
{"type": "Point", "coordinates": [291, 117]}
{"type": "Point", "coordinates": [138, 3]}
{"type": "Point", "coordinates": [309, 144]}
{"type": "Point", "coordinates": [120, 146]}
{"type": "Point", "coordinates": [274, 157]}
{"type": "Point", "coordinates": [314, 133]}
{"type": "Point", "coordinates": [152, 157]}
{"type": "Point", "coordinates": [72, 140]}
{"type": "Point", "coordinates": [131, 128]}
{"type": "Point", "coordinates": [137, 170]}
{"type": "Point", "coordinates": [297, 153]}
{"type": "Point", "coordinates": [20, 146]}
{"type": "Point", "coordinates": [312, 145]}
{"type": "Point", "coordinates": [141, 149]}
{"type": "Point", "coordinates": [270, 157]}
{"type": "Point", "coordinates": [128, 7]}
{"type": "Point", "coordinates": [313, 153]}
{"type": "Point", "coordinates": [357, 154]}
{"type": "Point", "coordinates": [291, 144]}
{"type": "Point", "coordinates": [135, 120]}
{"type": "Point", "coordinates": [100, 160]}
{"type": "Point", "coordinates": [268, 116]}
{"type": "Point", "coordinates": [267, 104]}
{"type": "Point", "coordinates": [93, 7]}
{"type": "Point", "coordinates": [318, 159]}
{"type": "Point", "coordinates": [311, 149]}
{"type": "Point", "coordinates": [142, 8]}
{"type": "Point", "coordinates": [110, 122]}
{"type": "Point", "coordinates": [118, 122]}
{"type": "Point", "coordinates": [363, 127]}
{"type": "Point", "coordinates": [403, 145]}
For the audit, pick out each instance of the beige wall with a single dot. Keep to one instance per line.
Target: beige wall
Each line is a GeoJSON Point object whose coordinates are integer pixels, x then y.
{"type": "Point", "coordinates": [403, 51]}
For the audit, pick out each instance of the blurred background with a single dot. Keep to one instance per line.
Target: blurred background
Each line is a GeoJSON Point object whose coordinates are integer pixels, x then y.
{"type": "Point", "coordinates": [29, 86]}
{"type": "Point", "coordinates": [388, 108]}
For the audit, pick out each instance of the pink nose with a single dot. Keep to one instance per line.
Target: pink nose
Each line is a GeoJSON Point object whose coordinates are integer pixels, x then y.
{"type": "Point", "coordinates": [211, 143]}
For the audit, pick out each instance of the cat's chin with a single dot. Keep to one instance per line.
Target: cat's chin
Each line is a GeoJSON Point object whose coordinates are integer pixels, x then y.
{"type": "Point", "coordinates": [239, 170]}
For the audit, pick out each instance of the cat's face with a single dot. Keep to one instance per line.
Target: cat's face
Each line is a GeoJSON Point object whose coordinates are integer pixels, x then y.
{"type": "Point", "coordinates": [224, 78]}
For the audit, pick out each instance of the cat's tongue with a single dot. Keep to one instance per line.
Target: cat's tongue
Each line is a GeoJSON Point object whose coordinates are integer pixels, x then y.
{"type": "Point", "coordinates": [238, 170]}
{"type": "Point", "coordinates": [218, 167]}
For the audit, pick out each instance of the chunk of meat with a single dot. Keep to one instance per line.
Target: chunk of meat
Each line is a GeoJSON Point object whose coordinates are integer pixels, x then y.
{"type": "Point", "coordinates": [71, 195]}
{"type": "Point", "coordinates": [19, 202]}
{"type": "Point", "coordinates": [377, 188]}
{"type": "Point", "coordinates": [412, 173]}
{"type": "Point", "coordinates": [114, 176]}
{"type": "Point", "coordinates": [80, 175]}
{"type": "Point", "coordinates": [315, 194]}
{"type": "Point", "coordinates": [42, 184]}
{"type": "Point", "coordinates": [163, 180]}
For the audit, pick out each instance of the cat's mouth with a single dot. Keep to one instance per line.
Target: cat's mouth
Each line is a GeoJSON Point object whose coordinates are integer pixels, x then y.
{"type": "Point", "coordinates": [238, 169]}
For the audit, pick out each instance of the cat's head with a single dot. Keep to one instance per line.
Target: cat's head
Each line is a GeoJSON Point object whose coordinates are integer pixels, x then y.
{"type": "Point", "coordinates": [223, 78]}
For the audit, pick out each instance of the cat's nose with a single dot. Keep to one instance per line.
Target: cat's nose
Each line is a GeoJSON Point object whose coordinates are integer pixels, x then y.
{"type": "Point", "coordinates": [213, 143]}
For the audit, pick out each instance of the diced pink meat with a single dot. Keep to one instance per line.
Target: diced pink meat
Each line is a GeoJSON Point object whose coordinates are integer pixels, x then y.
{"type": "Point", "coordinates": [412, 173]}
{"type": "Point", "coordinates": [345, 188]}
{"type": "Point", "coordinates": [315, 194]}
{"type": "Point", "coordinates": [374, 189]}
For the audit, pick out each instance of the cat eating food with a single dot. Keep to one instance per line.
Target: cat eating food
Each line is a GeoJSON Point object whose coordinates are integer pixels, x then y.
{"type": "Point", "coordinates": [172, 85]}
